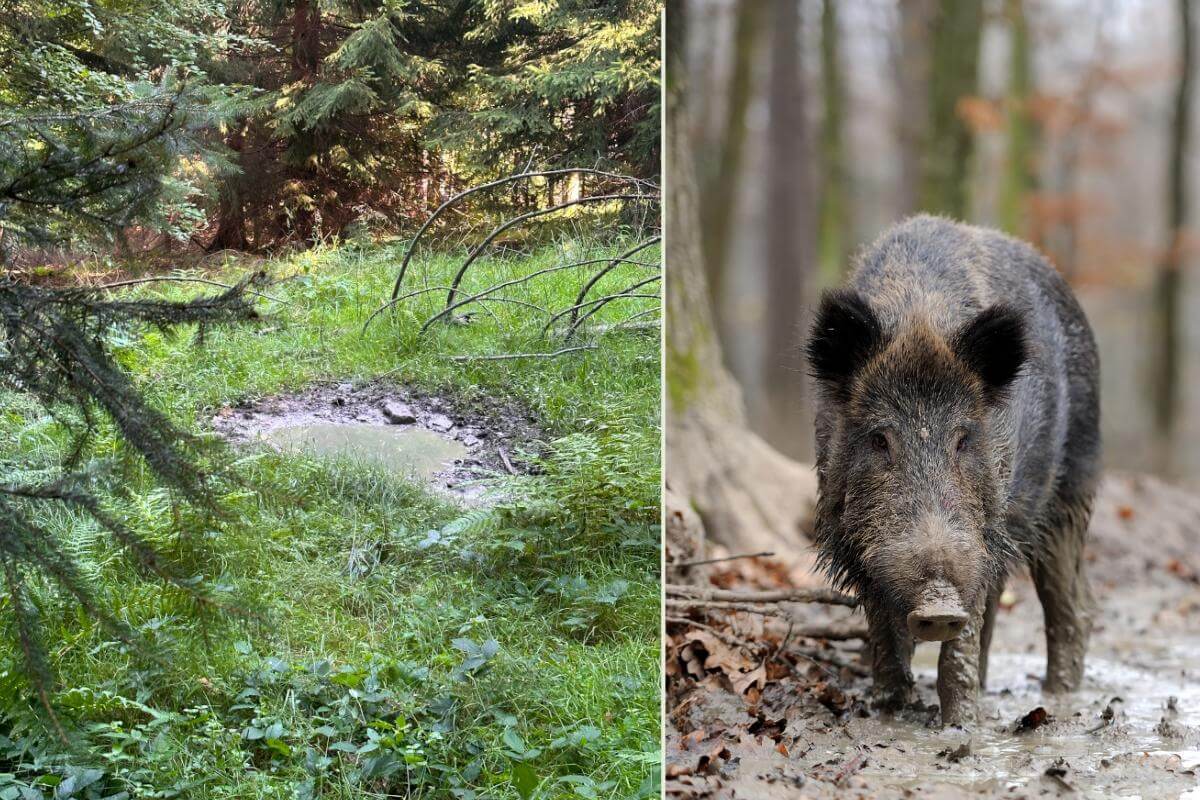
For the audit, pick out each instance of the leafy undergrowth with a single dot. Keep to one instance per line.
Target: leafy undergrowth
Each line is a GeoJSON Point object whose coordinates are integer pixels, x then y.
{"type": "Point", "coordinates": [371, 640]}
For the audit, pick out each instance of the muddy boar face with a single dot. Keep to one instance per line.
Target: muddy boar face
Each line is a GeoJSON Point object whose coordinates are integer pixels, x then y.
{"type": "Point", "coordinates": [910, 508]}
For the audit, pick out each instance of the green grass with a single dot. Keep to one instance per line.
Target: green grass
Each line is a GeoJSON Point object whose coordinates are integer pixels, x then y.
{"type": "Point", "coordinates": [516, 657]}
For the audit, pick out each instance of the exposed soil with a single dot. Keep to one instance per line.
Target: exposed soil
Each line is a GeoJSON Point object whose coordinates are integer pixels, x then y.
{"type": "Point", "coordinates": [762, 720]}
{"type": "Point", "coordinates": [492, 437]}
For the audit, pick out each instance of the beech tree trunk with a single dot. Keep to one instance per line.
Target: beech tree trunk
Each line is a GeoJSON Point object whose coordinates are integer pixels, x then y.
{"type": "Point", "coordinates": [1020, 178]}
{"type": "Point", "coordinates": [835, 227]}
{"type": "Point", "coordinates": [912, 88]}
{"type": "Point", "coordinates": [747, 496]}
{"type": "Point", "coordinates": [945, 166]}
{"type": "Point", "coordinates": [1169, 283]}
{"type": "Point", "coordinates": [722, 166]}
{"type": "Point", "coordinates": [790, 235]}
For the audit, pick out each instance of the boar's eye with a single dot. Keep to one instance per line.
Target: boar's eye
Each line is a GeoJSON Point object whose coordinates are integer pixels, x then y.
{"type": "Point", "coordinates": [879, 442]}
{"type": "Point", "coordinates": [964, 440]}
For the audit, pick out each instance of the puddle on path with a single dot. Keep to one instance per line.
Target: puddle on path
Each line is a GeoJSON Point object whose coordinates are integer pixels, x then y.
{"type": "Point", "coordinates": [1148, 749]}
{"type": "Point", "coordinates": [1145, 649]}
{"type": "Point", "coordinates": [414, 452]}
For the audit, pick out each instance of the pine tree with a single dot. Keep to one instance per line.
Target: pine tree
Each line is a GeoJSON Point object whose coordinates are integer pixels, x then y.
{"type": "Point", "coordinates": [352, 95]}
{"type": "Point", "coordinates": [84, 153]}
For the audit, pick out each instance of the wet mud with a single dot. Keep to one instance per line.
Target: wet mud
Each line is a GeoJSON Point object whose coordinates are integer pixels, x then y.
{"type": "Point", "coordinates": [1131, 731]}
{"type": "Point", "coordinates": [451, 447]}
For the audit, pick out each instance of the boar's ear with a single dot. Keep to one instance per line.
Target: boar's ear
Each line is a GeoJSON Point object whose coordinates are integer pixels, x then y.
{"type": "Point", "coordinates": [993, 346]}
{"type": "Point", "coordinates": [844, 336]}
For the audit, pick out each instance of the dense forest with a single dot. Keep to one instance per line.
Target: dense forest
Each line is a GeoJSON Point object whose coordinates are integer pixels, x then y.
{"type": "Point", "coordinates": [251, 125]}
{"type": "Point", "coordinates": [444, 583]}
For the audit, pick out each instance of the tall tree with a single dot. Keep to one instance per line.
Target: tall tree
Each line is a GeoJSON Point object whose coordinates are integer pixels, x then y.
{"type": "Point", "coordinates": [835, 228]}
{"type": "Point", "coordinates": [85, 153]}
{"type": "Point", "coordinates": [718, 171]}
{"type": "Point", "coordinates": [57, 353]}
{"type": "Point", "coordinates": [748, 496]}
{"type": "Point", "coordinates": [955, 34]}
{"type": "Point", "coordinates": [1169, 279]}
{"type": "Point", "coordinates": [790, 232]}
{"type": "Point", "coordinates": [1020, 178]}
{"type": "Point", "coordinates": [913, 79]}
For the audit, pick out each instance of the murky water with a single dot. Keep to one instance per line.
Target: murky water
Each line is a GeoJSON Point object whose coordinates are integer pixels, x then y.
{"type": "Point", "coordinates": [1148, 676]}
{"type": "Point", "coordinates": [411, 451]}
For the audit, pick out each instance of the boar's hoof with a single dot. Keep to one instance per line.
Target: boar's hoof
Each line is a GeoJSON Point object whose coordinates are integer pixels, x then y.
{"type": "Point", "coordinates": [937, 624]}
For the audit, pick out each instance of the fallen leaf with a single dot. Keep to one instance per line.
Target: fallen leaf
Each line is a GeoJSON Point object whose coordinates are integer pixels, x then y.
{"type": "Point", "coordinates": [1032, 721]}
{"type": "Point", "coordinates": [745, 680]}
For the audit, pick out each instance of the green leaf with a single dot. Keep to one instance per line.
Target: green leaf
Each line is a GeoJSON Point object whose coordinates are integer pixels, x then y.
{"type": "Point", "coordinates": [525, 780]}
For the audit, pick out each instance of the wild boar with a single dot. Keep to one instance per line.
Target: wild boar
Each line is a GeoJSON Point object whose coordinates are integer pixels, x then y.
{"type": "Point", "coordinates": [957, 431]}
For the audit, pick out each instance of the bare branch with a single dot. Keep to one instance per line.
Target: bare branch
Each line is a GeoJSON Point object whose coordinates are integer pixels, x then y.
{"type": "Point", "coordinates": [491, 185]}
{"type": "Point", "coordinates": [511, 356]}
{"type": "Point", "coordinates": [769, 596]}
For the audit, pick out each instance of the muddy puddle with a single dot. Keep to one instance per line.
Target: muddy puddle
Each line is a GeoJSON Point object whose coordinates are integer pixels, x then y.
{"type": "Point", "coordinates": [454, 449]}
{"type": "Point", "coordinates": [416, 453]}
{"type": "Point", "coordinates": [1132, 731]}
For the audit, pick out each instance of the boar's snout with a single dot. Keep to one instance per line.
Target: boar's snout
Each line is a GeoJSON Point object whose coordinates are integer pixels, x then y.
{"type": "Point", "coordinates": [939, 616]}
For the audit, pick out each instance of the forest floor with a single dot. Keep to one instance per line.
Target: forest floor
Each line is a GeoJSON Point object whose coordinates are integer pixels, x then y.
{"type": "Point", "coordinates": [401, 640]}
{"type": "Point", "coordinates": [760, 720]}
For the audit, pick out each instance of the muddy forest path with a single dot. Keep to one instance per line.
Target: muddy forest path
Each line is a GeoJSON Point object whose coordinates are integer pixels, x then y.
{"type": "Point", "coordinates": [800, 729]}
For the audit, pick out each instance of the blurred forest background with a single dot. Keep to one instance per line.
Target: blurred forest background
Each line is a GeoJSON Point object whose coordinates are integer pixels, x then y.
{"type": "Point", "coordinates": [815, 124]}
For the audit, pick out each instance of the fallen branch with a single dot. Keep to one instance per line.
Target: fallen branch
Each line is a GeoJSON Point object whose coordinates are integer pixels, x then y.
{"type": "Point", "coordinates": [627, 292]}
{"type": "Point", "coordinates": [587, 287]}
{"type": "Point", "coordinates": [180, 279]}
{"type": "Point", "coordinates": [769, 596]}
{"type": "Point", "coordinates": [703, 561]}
{"type": "Point", "coordinates": [493, 289]}
{"type": "Point", "coordinates": [830, 632]}
{"type": "Point", "coordinates": [508, 465]}
{"type": "Point", "coordinates": [603, 301]}
{"type": "Point", "coordinates": [510, 356]}
{"type": "Point", "coordinates": [541, 212]}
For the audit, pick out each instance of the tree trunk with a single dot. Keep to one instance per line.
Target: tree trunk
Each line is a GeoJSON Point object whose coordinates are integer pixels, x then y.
{"type": "Point", "coordinates": [789, 235]}
{"type": "Point", "coordinates": [306, 38]}
{"type": "Point", "coordinates": [747, 495]}
{"type": "Point", "coordinates": [945, 165]}
{"type": "Point", "coordinates": [1169, 283]}
{"type": "Point", "coordinates": [718, 180]}
{"type": "Point", "coordinates": [835, 227]}
{"type": "Point", "coordinates": [1020, 178]}
{"type": "Point", "coordinates": [912, 88]}
{"type": "Point", "coordinates": [231, 212]}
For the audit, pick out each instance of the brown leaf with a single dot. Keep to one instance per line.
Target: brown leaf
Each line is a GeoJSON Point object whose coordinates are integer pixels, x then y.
{"type": "Point", "coordinates": [1032, 721]}
{"type": "Point", "coordinates": [745, 680]}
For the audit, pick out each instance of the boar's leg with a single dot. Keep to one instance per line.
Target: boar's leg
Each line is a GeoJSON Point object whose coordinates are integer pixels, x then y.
{"type": "Point", "coordinates": [959, 670]}
{"type": "Point", "coordinates": [1062, 587]}
{"type": "Point", "coordinates": [985, 636]}
{"type": "Point", "coordinates": [891, 650]}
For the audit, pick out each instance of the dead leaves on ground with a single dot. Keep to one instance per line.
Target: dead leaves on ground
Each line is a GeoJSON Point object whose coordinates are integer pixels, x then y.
{"type": "Point", "coordinates": [740, 691]}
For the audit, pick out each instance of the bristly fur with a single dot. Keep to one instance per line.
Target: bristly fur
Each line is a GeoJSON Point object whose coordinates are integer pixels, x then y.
{"type": "Point", "coordinates": [993, 345]}
{"type": "Point", "coordinates": [845, 335]}
{"type": "Point", "coordinates": [957, 429]}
